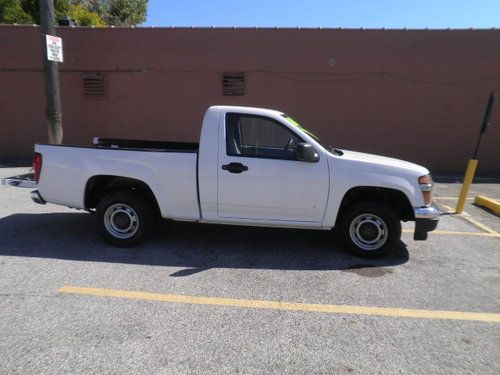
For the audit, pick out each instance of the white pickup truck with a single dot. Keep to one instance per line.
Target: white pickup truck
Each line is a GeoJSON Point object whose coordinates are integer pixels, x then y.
{"type": "Point", "coordinates": [252, 166]}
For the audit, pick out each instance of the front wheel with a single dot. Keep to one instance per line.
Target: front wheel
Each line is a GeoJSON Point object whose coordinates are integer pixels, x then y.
{"type": "Point", "coordinates": [371, 229]}
{"type": "Point", "coordinates": [124, 219]}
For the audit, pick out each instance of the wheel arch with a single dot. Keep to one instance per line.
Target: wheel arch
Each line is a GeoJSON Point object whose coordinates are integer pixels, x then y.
{"type": "Point", "coordinates": [394, 198]}
{"type": "Point", "coordinates": [97, 187]}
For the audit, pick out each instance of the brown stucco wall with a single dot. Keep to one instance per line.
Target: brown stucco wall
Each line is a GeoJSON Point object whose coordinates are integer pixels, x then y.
{"type": "Point", "coordinates": [416, 95]}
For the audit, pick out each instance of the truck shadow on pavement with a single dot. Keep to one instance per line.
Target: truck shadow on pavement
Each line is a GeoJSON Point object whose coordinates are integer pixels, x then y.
{"type": "Point", "coordinates": [193, 247]}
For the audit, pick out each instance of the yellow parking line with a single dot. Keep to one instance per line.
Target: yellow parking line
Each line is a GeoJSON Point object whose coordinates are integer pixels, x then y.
{"type": "Point", "coordinates": [453, 233]}
{"type": "Point", "coordinates": [468, 217]}
{"type": "Point", "coordinates": [452, 198]}
{"type": "Point", "coordinates": [287, 306]}
{"type": "Point", "coordinates": [481, 225]}
{"type": "Point", "coordinates": [450, 209]}
{"type": "Point", "coordinates": [448, 198]}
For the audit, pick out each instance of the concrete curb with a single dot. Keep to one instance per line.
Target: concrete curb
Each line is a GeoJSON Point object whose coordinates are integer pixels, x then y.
{"type": "Point", "coordinates": [490, 203]}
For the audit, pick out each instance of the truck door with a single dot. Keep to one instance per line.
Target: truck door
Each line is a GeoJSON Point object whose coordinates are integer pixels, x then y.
{"type": "Point", "coordinates": [259, 178]}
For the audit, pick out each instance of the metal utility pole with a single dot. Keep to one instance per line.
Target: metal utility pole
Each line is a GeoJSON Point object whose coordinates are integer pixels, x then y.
{"type": "Point", "coordinates": [53, 109]}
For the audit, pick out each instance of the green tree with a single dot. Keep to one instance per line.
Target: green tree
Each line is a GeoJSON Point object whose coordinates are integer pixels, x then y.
{"type": "Point", "coordinates": [61, 8]}
{"type": "Point", "coordinates": [84, 12]}
{"type": "Point", "coordinates": [127, 12]}
{"type": "Point", "coordinates": [26, 11]}
{"type": "Point", "coordinates": [85, 17]}
{"type": "Point", "coordinates": [117, 12]}
{"type": "Point", "coordinates": [11, 11]}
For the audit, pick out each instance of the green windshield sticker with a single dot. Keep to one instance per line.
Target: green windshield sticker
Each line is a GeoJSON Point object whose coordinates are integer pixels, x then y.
{"type": "Point", "coordinates": [294, 122]}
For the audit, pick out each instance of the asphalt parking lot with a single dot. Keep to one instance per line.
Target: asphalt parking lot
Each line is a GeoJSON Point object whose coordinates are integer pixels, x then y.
{"type": "Point", "coordinates": [219, 299]}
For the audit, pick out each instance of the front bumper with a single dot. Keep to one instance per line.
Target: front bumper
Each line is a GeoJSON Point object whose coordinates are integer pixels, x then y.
{"type": "Point", "coordinates": [426, 220]}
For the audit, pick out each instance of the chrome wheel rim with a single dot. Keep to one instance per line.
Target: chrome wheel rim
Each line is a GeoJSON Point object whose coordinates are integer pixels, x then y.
{"type": "Point", "coordinates": [121, 221]}
{"type": "Point", "coordinates": [368, 231]}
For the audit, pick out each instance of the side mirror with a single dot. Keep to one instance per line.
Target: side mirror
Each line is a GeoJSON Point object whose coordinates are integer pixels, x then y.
{"type": "Point", "coordinates": [306, 152]}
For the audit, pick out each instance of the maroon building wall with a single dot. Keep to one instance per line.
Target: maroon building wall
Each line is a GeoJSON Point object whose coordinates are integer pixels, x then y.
{"type": "Point", "coordinates": [416, 95]}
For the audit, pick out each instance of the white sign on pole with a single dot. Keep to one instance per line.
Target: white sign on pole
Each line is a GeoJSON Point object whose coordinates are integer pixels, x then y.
{"type": "Point", "coordinates": [54, 48]}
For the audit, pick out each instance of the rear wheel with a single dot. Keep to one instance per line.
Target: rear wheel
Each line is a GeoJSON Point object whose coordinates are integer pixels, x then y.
{"type": "Point", "coordinates": [371, 229]}
{"type": "Point", "coordinates": [124, 219]}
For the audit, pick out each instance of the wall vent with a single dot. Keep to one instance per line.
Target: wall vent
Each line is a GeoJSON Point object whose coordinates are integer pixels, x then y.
{"type": "Point", "coordinates": [94, 85]}
{"type": "Point", "coordinates": [233, 84]}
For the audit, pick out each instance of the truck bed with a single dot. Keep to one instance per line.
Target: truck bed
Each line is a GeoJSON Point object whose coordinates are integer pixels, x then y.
{"type": "Point", "coordinates": [131, 144]}
{"type": "Point", "coordinates": [170, 174]}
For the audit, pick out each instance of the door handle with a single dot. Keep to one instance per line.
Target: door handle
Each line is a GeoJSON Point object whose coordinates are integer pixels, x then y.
{"type": "Point", "coordinates": [235, 167]}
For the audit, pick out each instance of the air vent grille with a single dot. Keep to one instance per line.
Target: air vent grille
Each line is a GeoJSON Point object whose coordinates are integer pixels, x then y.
{"type": "Point", "coordinates": [94, 86]}
{"type": "Point", "coordinates": [233, 84]}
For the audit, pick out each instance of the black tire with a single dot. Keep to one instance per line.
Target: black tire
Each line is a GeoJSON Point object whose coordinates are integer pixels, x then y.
{"type": "Point", "coordinates": [370, 229]}
{"type": "Point", "coordinates": [124, 219]}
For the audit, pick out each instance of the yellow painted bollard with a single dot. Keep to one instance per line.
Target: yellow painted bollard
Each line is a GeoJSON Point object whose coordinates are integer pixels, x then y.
{"type": "Point", "coordinates": [471, 167]}
{"type": "Point", "coordinates": [469, 176]}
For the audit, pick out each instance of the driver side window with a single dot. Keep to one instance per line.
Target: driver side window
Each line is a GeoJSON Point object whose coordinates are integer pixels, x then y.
{"type": "Point", "coordinates": [258, 136]}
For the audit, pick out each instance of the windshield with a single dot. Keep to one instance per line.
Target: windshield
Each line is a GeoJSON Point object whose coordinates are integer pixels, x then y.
{"type": "Point", "coordinates": [294, 122]}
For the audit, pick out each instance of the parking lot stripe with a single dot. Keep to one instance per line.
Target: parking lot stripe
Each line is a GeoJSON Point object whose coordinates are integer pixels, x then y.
{"type": "Point", "coordinates": [481, 225]}
{"type": "Point", "coordinates": [453, 233]}
{"type": "Point", "coordinates": [452, 198]}
{"type": "Point", "coordinates": [287, 306]}
{"type": "Point", "coordinates": [468, 217]}
{"type": "Point", "coordinates": [449, 198]}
